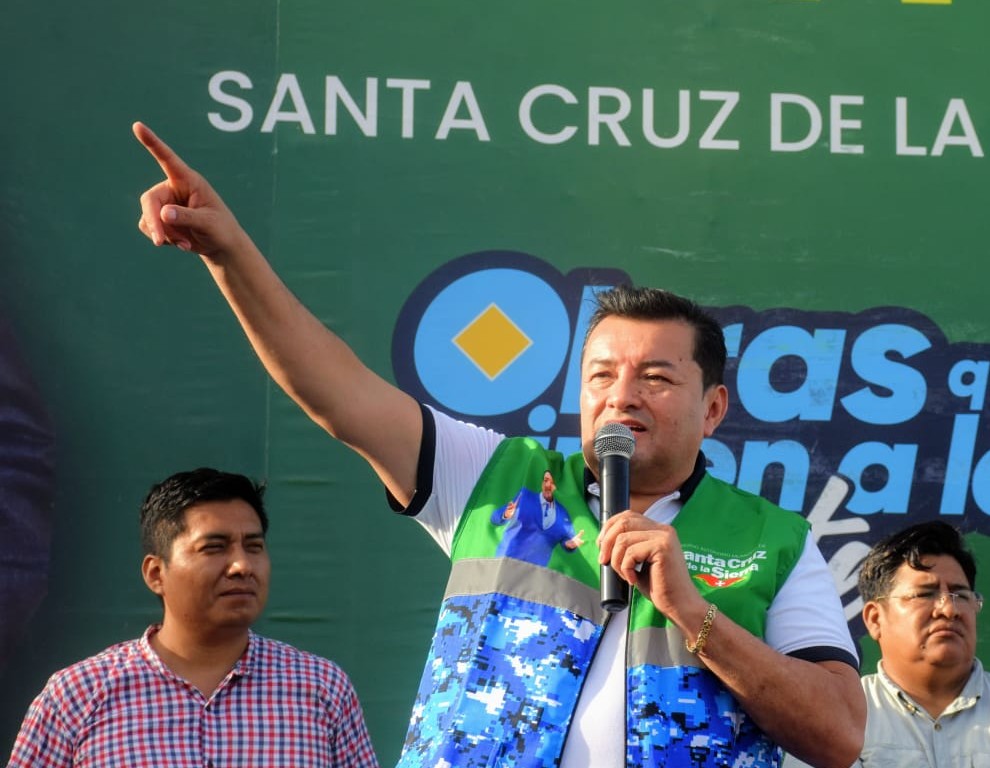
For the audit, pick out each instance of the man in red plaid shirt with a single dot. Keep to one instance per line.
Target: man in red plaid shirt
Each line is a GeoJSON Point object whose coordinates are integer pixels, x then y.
{"type": "Point", "coordinates": [200, 689]}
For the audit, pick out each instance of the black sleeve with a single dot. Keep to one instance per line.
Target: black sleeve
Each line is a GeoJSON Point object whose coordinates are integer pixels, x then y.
{"type": "Point", "coordinates": [826, 653]}
{"type": "Point", "coordinates": [424, 469]}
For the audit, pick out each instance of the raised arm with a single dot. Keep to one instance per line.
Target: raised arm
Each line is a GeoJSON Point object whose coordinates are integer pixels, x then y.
{"type": "Point", "coordinates": [312, 364]}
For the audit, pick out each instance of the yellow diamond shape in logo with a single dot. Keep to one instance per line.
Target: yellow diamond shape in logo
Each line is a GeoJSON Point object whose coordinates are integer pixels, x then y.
{"type": "Point", "coordinates": [492, 341]}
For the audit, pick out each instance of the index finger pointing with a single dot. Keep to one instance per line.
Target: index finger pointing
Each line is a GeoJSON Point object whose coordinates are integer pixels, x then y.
{"type": "Point", "coordinates": [168, 161]}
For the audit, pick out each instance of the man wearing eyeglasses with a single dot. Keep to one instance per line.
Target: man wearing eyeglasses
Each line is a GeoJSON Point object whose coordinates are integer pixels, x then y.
{"type": "Point", "coordinates": [926, 702]}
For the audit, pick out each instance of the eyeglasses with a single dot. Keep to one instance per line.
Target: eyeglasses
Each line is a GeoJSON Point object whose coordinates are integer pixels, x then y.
{"type": "Point", "coordinates": [962, 599]}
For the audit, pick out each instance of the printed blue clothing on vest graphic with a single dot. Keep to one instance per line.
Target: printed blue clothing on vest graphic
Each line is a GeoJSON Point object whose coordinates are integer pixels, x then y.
{"type": "Point", "coordinates": [533, 527]}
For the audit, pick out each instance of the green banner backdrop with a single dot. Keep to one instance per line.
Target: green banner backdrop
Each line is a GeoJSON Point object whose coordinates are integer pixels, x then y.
{"type": "Point", "coordinates": [814, 171]}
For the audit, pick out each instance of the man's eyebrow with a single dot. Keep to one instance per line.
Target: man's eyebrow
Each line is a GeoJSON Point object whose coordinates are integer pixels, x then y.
{"type": "Point", "coordinates": [225, 537]}
{"type": "Point", "coordinates": [599, 360]}
{"type": "Point", "coordinates": [659, 363]}
{"type": "Point", "coordinates": [934, 582]}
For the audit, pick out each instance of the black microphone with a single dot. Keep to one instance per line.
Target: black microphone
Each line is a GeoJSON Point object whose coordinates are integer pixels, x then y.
{"type": "Point", "coordinates": [614, 446]}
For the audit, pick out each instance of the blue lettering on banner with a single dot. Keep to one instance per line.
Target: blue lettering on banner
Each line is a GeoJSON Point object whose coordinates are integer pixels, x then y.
{"type": "Point", "coordinates": [879, 400]}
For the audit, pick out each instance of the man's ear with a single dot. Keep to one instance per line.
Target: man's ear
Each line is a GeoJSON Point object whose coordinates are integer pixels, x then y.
{"type": "Point", "coordinates": [871, 619]}
{"type": "Point", "coordinates": [716, 406]}
{"type": "Point", "coordinates": [151, 569]}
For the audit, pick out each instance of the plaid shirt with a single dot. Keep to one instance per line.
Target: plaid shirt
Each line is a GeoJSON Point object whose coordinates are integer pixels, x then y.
{"type": "Point", "coordinates": [278, 706]}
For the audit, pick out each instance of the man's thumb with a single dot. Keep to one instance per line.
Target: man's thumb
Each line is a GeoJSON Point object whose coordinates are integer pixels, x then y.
{"type": "Point", "coordinates": [178, 216]}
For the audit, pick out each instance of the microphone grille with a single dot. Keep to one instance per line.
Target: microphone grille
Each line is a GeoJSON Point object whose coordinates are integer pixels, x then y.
{"type": "Point", "coordinates": [613, 439]}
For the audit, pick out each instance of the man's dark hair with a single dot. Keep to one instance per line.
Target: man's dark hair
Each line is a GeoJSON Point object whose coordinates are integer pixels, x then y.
{"type": "Point", "coordinates": [876, 577]}
{"type": "Point", "coordinates": [163, 513]}
{"type": "Point", "coordinates": [657, 304]}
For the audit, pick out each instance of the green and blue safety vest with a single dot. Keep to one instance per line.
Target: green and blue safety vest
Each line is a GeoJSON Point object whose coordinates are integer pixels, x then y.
{"type": "Point", "coordinates": [515, 639]}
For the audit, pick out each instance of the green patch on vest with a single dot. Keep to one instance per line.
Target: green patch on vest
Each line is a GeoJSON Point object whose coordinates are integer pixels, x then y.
{"type": "Point", "coordinates": [738, 547]}
{"type": "Point", "coordinates": [503, 517]}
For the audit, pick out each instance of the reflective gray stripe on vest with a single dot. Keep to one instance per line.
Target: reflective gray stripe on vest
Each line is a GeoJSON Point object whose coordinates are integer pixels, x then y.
{"type": "Point", "coordinates": [660, 647]}
{"type": "Point", "coordinates": [517, 578]}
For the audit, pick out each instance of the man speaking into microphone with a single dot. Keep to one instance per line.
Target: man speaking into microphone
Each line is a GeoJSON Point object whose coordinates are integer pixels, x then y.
{"type": "Point", "coordinates": [526, 667]}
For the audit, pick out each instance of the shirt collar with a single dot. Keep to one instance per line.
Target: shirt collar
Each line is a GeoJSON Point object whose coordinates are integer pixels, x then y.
{"type": "Point", "coordinates": [245, 665]}
{"type": "Point", "coordinates": [970, 694]}
{"type": "Point", "coordinates": [250, 659]}
{"type": "Point", "coordinates": [148, 653]}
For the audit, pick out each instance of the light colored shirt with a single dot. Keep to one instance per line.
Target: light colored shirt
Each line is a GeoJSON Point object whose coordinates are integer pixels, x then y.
{"type": "Point", "coordinates": [901, 734]}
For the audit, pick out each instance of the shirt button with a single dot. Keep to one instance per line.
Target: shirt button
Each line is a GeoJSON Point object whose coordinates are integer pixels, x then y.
{"type": "Point", "coordinates": [938, 726]}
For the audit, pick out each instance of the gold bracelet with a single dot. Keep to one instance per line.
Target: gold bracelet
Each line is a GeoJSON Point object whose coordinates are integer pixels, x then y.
{"type": "Point", "coordinates": [706, 627]}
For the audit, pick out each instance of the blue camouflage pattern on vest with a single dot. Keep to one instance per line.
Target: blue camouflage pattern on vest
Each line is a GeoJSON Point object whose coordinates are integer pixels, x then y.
{"type": "Point", "coordinates": [682, 716]}
{"type": "Point", "coordinates": [494, 693]}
